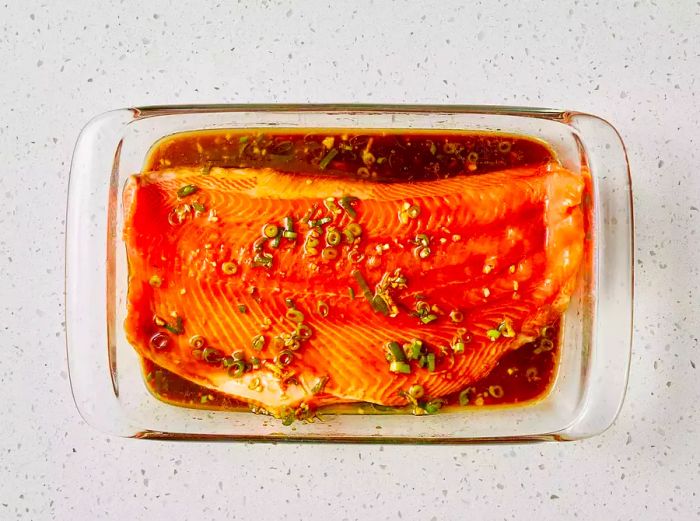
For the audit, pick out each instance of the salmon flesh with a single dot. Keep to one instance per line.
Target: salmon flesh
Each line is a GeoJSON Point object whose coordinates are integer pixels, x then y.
{"type": "Point", "coordinates": [292, 291]}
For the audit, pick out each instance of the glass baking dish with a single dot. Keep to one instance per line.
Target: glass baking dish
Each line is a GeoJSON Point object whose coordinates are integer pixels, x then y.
{"type": "Point", "coordinates": [105, 371]}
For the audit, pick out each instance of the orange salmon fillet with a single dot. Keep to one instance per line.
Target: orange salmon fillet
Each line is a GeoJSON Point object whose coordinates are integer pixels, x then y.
{"type": "Point", "coordinates": [484, 262]}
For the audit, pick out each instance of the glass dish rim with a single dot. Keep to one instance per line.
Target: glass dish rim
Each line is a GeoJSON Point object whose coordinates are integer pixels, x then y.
{"type": "Point", "coordinates": [563, 116]}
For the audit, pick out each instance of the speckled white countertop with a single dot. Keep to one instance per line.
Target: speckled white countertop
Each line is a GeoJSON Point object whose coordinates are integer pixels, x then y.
{"type": "Point", "coordinates": [637, 65]}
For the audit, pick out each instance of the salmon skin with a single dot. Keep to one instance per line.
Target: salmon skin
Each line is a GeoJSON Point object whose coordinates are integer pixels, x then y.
{"type": "Point", "coordinates": [292, 291]}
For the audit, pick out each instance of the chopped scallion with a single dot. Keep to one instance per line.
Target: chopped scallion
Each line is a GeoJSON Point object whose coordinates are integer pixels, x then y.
{"type": "Point", "coordinates": [427, 319]}
{"type": "Point", "coordinates": [431, 362]}
{"type": "Point", "coordinates": [264, 260]}
{"type": "Point", "coordinates": [433, 406]}
{"type": "Point", "coordinates": [270, 231]}
{"type": "Point", "coordinates": [258, 342]}
{"type": "Point", "coordinates": [416, 391]}
{"type": "Point", "coordinates": [396, 352]}
{"type": "Point", "coordinates": [175, 329]}
{"type": "Point", "coordinates": [237, 369]}
{"type": "Point", "coordinates": [322, 308]}
{"type": "Point", "coordinates": [186, 190]}
{"type": "Point", "coordinates": [346, 204]}
{"type": "Point", "coordinates": [413, 350]}
{"type": "Point", "coordinates": [327, 158]}
{"type": "Point", "coordinates": [493, 334]}
{"type": "Point", "coordinates": [295, 315]}
{"type": "Point", "coordinates": [333, 237]}
{"type": "Point", "coordinates": [229, 268]}
{"type": "Point", "coordinates": [400, 367]}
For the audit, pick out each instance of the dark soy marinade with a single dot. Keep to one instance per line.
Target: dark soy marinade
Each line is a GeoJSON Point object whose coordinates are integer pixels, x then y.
{"type": "Point", "coordinates": [381, 156]}
{"type": "Point", "coordinates": [523, 375]}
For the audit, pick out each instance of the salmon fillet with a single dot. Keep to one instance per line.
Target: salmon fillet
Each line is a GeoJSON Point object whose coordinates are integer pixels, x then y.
{"type": "Point", "coordinates": [470, 266]}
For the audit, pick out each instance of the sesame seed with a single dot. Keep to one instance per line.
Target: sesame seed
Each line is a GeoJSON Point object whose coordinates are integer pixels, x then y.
{"type": "Point", "coordinates": [487, 292]}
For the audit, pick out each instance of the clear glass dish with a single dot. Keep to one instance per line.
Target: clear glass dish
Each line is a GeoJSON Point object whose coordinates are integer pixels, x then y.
{"type": "Point", "coordinates": [105, 371]}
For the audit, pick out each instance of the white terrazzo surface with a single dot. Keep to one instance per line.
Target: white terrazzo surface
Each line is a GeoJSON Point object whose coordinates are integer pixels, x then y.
{"type": "Point", "coordinates": [637, 64]}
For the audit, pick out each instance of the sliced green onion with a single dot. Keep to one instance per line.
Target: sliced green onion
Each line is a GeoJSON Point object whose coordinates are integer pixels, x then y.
{"type": "Point", "coordinates": [496, 391]}
{"type": "Point", "coordinates": [319, 385]}
{"type": "Point", "coordinates": [275, 242]}
{"type": "Point", "coordinates": [243, 308]}
{"type": "Point", "coordinates": [464, 396]}
{"type": "Point", "coordinates": [175, 329]}
{"type": "Point", "coordinates": [363, 284]}
{"type": "Point", "coordinates": [270, 231]}
{"type": "Point", "coordinates": [413, 211]}
{"type": "Point", "coordinates": [354, 229]}
{"type": "Point", "coordinates": [322, 308]}
{"type": "Point", "coordinates": [400, 367]}
{"type": "Point", "coordinates": [287, 234]}
{"type": "Point", "coordinates": [431, 362]}
{"type": "Point", "coordinates": [396, 351]}
{"type": "Point", "coordinates": [289, 303]}
{"type": "Point", "coordinates": [427, 319]}
{"type": "Point", "coordinates": [327, 158]}
{"type": "Point", "coordinates": [379, 304]}
{"type": "Point", "coordinates": [288, 223]}
{"type": "Point", "coordinates": [295, 315]}
{"type": "Point", "coordinates": [422, 239]}
{"type": "Point", "coordinates": [155, 281]}
{"type": "Point", "coordinates": [258, 342]}
{"type": "Point", "coordinates": [212, 355]}
{"type": "Point", "coordinates": [413, 350]}
{"type": "Point", "coordinates": [264, 260]}
{"type": "Point", "coordinates": [506, 328]}
{"type": "Point", "coordinates": [255, 362]}
{"type": "Point", "coordinates": [333, 237]}
{"type": "Point", "coordinates": [424, 252]}
{"type": "Point", "coordinates": [422, 361]}
{"type": "Point", "coordinates": [199, 207]}
{"type": "Point", "coordinates": [416, 391]}
{"type": "Point", "coordinates": [351, 293]}
{"type": "Point", "coordinates": [323, 220]}
{"type": "Point", "coordinates": [346, 204]}
{"type": "Point", "coordinates": [238, 355]}
{"type": "Point", "coordinates": [433, 406]}
{"type": "Point", "coordinates": [229, 268]}
{"type": "Point", "coordinates": [458, 347]}
{"type": "Point", "coordinates": [243, 139]}
{"type": "Point", "coordinates": [285, 357]}
{"type": "Point", "coordinates": [259, 243]}
{"type": "Point", "coordinates": [227, 362]}
{"type": "Point", "coordinates": [456, 316]}
{"type": "Point", "coordinates": [304, 331]}
{"type": "Point", "coordinates": [493, 334]}
{"type": "Point", "coordinates": [197, 341]}
{"type": "Point", "coordinates": [329, 253]}
{"type": "Point", "coordinates": [237, 369]}
{"type": "Point", "coordinates": [186, 190]}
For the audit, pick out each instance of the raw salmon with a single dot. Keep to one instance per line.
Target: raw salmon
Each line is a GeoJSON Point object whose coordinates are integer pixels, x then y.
{"type": "Point", "coordinates": [291, 291]}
